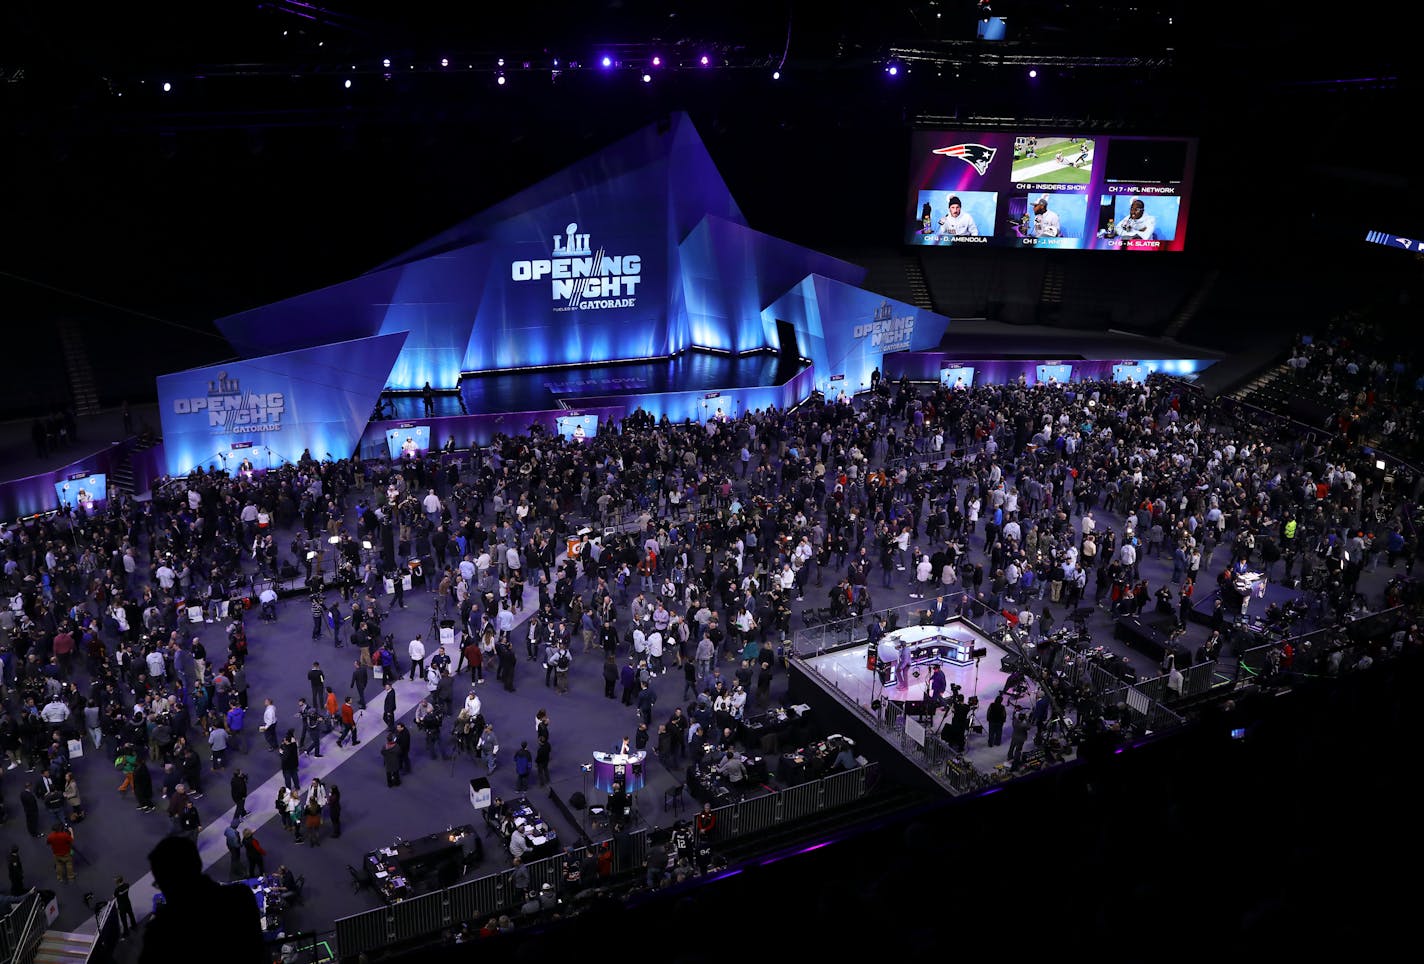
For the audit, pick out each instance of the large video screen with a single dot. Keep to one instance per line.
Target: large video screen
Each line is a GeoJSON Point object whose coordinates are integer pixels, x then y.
{"type": "Point", "coordinates": [577, 427]}
{"type": "Point", "coordinates": [957, 376]}
{"type": "Point", "coordinates": [89, 492]}
{"type": "Point", "coordinates": [1024, 189]}
{"type": "Point", "coordinates": [409, 441]}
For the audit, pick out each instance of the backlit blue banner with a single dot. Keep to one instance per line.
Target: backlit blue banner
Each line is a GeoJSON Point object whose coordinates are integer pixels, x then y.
{"type": "Point", "coordinates": [314, 400]}
{"type": "Point", "coordinates": [590, 291]}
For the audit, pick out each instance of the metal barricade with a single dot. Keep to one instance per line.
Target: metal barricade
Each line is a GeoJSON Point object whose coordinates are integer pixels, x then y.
{"type": "Point", "coordinates": [106, 934]}
{"type": "Point", "coordinates": [419, 917]}
{"type": "Point", "coordinates": [364, 932]}
{"type": "Point", "coordinates": [814, 640]}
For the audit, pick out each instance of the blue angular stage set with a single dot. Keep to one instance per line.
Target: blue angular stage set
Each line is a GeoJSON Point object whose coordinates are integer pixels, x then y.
{"type": "Point", "coordinates": [629, 280]}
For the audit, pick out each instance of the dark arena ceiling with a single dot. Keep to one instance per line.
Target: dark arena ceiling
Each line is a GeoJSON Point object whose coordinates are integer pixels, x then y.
{"type": "Point", "coordinates": [298, 144]}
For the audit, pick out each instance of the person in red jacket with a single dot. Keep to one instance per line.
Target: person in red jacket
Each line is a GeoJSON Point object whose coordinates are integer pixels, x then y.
{"type": "Point", "coordinates": [348, 724]}
{"type": "Point", "coordinates": [61, 844]}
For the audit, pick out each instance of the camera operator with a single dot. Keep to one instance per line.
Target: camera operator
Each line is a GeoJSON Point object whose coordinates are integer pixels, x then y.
{"type": "Point", "coordinates": [430, 721]}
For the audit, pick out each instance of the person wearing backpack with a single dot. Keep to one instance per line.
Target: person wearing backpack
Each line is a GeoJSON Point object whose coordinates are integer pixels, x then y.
{"type": "Point", "coordinates": [126, 762]}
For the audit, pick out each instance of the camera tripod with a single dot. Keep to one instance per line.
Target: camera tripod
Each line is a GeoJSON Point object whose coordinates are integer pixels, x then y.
{"type": "Point", "coordinates": [463, 745]}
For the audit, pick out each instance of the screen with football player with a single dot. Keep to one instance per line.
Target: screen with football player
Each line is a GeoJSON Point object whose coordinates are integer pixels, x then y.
{"type": "Point", "coordinates": [1131, 222]}
{"type": "Point", "coordinates": [963, 217]}
{"type": "Point", "coordinates": [1130, 373]}
{"type": "Point", "coordinates": [87, 492]}
{"type": "Point", "coordinates": [1038, 189]}
{"type": "Point", "coordinates": [956, 378]}
{"type": "Point", "coordinates": [577, 427]}
{"type": "Point", "coordinates": [408, 441]}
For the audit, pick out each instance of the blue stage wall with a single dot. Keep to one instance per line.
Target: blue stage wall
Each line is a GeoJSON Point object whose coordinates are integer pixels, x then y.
{"type": "Point", "coordinates": [669, 265]}
{"type": "Point", "coordinates": [270, 409]}
{"type": "Point", "coordinates": [730, 273]}
{"type": "Point", "coordinates": [849, 332]}
{"type": "Point", "coordinates": [433, 301]}
{"type": "Point", "coordinates": [529, 316]}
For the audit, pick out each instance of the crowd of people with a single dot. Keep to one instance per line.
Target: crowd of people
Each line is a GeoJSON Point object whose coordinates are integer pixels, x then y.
{"type": "Point", "coordinates": [700, 542]}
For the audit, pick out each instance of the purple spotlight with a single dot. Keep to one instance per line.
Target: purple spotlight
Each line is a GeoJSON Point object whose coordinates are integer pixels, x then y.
{"type": "Point", "coordinates": [501, 62]}
{"type": "Point", "coordinates": [704, 60]}
{"type": "Point", "coordinates": [608, 61]}
{"type": "Point", "coordinates": [348, 84]}
{"type": "Point", "coordinates": [444, 61]}
{"type": "Point", "coordinates": [500, 80]}
{"type": "Point", "coordinates": [647, 78]}
{"type": "Point", "coordinates": [892, 70]}
{"type": "Point", "coordinates": [1032, 74]}
{"type": "Point", "coordinates": [776, 75]}
{"type": "Point", "coordinates": [657, 61]}
{"type": "Point", "coordinates": [167, 86]}
{"type": "Point", "coordinates": [386, 62]}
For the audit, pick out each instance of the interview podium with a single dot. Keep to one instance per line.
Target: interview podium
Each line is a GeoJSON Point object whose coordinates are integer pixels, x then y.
{"type": "Point", "coordinates": [624, 768]}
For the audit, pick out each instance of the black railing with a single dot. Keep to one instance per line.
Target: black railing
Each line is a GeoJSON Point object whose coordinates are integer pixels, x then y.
{"type": "Point", "coordinates": [412, 921]}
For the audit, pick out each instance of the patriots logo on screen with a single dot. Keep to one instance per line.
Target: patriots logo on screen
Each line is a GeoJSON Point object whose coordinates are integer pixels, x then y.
{"type": "Point", "coordinates": [977, 156]}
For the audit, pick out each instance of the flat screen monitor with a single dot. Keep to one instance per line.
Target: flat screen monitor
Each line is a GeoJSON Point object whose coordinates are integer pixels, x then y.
{"type": "Point", "coordinates": [408, 441]}
{"type": "Point", "coordinates": [1054, 374]}
{"type": "Point", "coordinates": [87, 491]}
{"type": "Point", "coordinates": [957, 377]}
{"type": "Point", "coordinates": [1049, 189]}
{"type": "Point", "coordinates": [577, 427]}
{"type": "Point", "coordinates": [1130, 373]}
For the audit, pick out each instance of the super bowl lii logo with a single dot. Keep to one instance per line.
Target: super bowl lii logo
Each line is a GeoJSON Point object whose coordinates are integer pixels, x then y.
{"type": "Point", "coordinates": [230, 409]}
{"type": "Point", "coordinates": [582, 278]}
{"type": "Point", "coordinates": [887, 332]}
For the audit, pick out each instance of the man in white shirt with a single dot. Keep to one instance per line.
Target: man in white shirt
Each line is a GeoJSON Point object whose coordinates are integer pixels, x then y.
{"type": "Point", "coordinates": [432, 506]}
{"type": "Point", "coordinates": [957, 223]}
{"type": "Point", "coordinates": [417, 657]}
{"type": "Point", "coordinates": [54, 712]}
{"type": "Point", "coordinates": [1138, 225]}
{"type": "Point", "coordinates": [166, 576]}
{"type": "Point", "coordinates": [269, 723]}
